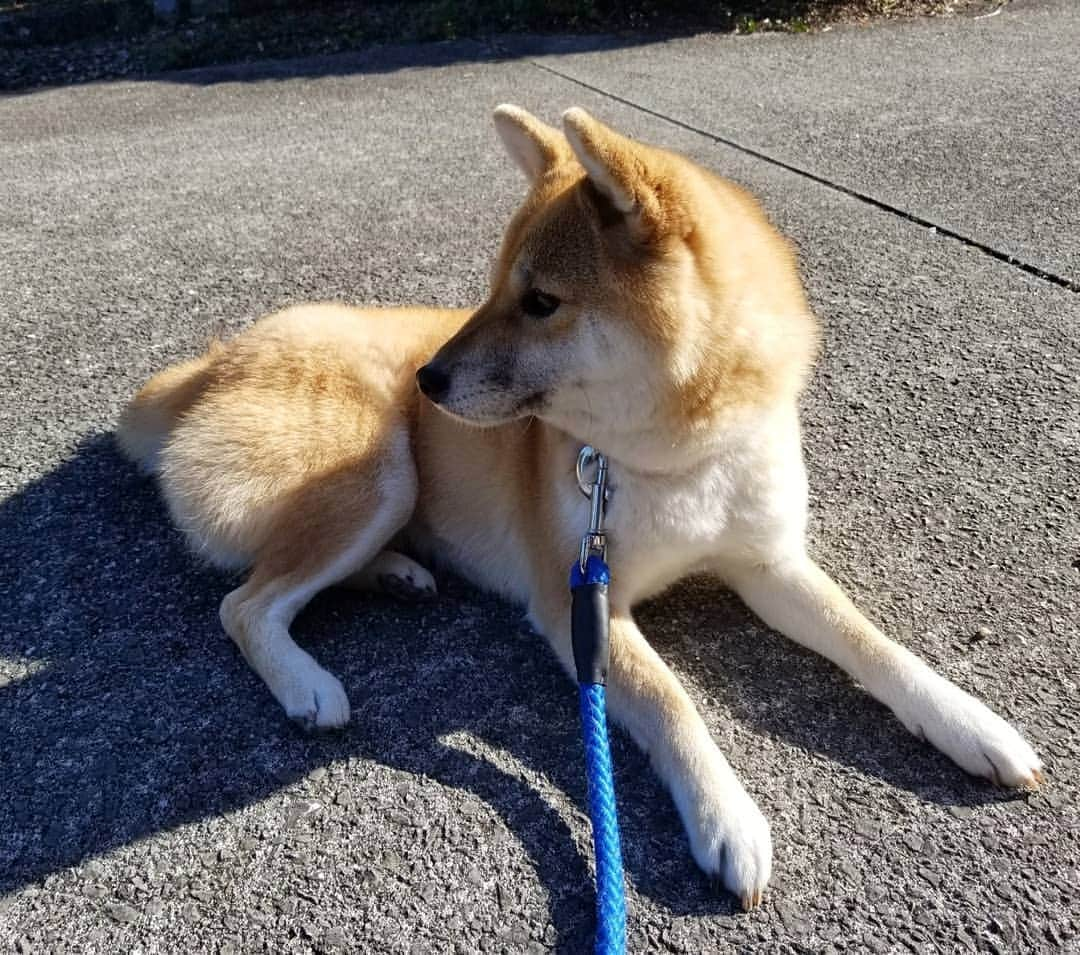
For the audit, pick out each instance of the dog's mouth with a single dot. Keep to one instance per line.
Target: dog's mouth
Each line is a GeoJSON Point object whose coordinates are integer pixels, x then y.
{"type": "Point", "coordinates": [488, 413]}
{"type": "Point", "coordinates": [531, 405]}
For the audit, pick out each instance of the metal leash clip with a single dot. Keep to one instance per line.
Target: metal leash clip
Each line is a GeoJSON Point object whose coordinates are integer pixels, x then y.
{"type": "Point", "coordinates": [595, 540]}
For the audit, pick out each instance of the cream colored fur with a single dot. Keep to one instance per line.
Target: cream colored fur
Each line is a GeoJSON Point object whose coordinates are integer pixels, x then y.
{"type": "Point", "coordinates": [679, 343]}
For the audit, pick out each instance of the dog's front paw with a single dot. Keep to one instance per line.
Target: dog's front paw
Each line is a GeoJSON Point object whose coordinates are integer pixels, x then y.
{"type": "Point", "coordinates": [315, 699]}
{"type": "Point", "coordinates": [729, 837]}
{"type": "Point", "coordinates": [972, 735]}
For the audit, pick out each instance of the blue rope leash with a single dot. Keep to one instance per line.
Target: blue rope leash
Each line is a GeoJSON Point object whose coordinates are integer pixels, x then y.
{"type": "Point", "coordinates": [589, 632]}
{"type": "Point", "coordinates": [610, 897]}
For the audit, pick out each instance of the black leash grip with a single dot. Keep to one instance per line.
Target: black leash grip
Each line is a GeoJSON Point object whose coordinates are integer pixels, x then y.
{"type": "Point", "coordinates": [590, 621]}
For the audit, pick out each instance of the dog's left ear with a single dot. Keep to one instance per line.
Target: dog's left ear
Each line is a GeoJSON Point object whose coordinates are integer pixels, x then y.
{"type": "Point", "coordinates": [535, 146]}
{"type": "Point", "coordinates": [634, 180]}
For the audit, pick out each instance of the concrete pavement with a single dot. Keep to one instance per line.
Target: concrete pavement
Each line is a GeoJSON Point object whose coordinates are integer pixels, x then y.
{"type": "Point", "coordinates": [970, 124]}
{"type": "Point", "coordinates": [153, 798]}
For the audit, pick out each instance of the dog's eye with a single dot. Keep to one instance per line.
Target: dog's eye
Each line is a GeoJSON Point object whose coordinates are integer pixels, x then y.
{"type": "Point", "coordinates": [539, 304]}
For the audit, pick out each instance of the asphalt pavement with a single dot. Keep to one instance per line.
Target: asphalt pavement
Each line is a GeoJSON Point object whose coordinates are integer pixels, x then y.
{"type": "Point", "coordinates": [153, 798]}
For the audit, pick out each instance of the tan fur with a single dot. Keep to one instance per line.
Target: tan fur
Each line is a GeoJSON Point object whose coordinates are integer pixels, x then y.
{"type": "Point", "coordinates": [150, 415]}
{"type": "Point", "coordinates": [679, 343]}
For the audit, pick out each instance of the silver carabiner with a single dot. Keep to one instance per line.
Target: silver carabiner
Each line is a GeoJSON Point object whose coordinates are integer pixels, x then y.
{"type": "Point", "coordinates": [595, 540]}
{"type": "Point", "coordinates": [585, 457]}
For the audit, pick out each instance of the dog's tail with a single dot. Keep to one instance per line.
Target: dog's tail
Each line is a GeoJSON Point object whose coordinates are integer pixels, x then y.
{"type": "Point", "coordinates": [151, 415]}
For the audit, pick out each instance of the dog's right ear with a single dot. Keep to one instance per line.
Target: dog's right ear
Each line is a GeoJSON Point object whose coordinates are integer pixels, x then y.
{"type": "Point", "coordinates": [532, 144]}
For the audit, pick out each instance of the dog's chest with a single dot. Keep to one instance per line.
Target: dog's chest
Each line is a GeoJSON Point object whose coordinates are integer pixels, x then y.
{"type": "Point", "coordinates": [735, 506]}
{"type": "Point", "coordinates": [659, 529]}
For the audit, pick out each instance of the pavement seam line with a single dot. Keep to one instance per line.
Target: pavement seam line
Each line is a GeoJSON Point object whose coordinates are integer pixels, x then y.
{"type": "Point", "coordinates": [863, 197]}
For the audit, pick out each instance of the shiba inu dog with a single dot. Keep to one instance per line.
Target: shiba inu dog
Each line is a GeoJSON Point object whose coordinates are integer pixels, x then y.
{"type": "Point", "coordinates": [639, 304]}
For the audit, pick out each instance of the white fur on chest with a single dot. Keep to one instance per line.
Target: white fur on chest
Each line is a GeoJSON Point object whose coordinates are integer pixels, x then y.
{"type": "Point", "coordinates": [745, 502]}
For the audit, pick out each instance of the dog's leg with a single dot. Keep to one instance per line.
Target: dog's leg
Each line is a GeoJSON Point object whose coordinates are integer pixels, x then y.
{"type": "Point", "coordinates": [329, 529]}
{"type": "Point", "coordinates": [797, 598]}
{"type": "Point", "coordinates": [257, 617]}
{"type": "Point", "coordinates": [729, 837]}
{"type": "Point", "coordinates": [395, 574]}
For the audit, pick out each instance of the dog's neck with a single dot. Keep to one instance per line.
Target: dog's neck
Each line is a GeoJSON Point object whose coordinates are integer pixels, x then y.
{"type": "Point", "coordinates": [659, 449]}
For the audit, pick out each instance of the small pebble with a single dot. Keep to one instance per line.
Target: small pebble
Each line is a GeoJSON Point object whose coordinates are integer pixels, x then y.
{"type": "Point", "coordinates": [122, 912]}
{"type": "Point", "coordinates": [335, 937]}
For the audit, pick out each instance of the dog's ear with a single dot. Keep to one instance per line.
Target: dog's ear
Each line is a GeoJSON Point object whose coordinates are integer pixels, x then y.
{"type": "Point", "coordinates": [532, 144]}
{"type": "Point", "coordinates": [633, 182]}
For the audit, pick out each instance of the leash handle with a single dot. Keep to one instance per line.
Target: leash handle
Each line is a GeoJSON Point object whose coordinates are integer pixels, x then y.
{"type": "Point", "coordinates": [590, 620]}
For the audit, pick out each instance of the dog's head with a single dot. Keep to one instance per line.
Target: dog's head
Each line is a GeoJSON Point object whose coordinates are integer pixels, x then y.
{"type": "Point", "coordinates": [614, 294]}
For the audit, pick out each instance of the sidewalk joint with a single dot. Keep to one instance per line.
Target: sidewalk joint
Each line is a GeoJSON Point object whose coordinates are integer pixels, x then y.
{"type": "Point", "coordinates": [863, 197]}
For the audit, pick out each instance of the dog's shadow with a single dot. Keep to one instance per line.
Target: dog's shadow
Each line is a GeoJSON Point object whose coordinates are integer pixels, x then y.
{"type": "Point", "coordinates": [126, 711]}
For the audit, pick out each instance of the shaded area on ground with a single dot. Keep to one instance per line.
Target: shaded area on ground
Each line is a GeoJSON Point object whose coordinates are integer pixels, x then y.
{"type": "Point", "coordinates": [139, 717]}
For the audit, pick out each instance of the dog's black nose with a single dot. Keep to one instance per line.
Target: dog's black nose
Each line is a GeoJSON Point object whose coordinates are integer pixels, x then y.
{"type": "Point", "coordinates": [433, 382]}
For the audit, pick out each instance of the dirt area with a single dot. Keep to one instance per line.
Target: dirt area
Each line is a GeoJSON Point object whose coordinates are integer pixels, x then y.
{"type": "Point", "coordinates": [58, 42]}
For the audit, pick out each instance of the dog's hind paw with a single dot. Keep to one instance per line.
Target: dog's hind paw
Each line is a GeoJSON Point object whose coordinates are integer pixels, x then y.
{"type": "Point", "coordinates": [412, 583]}
{"type": "Point", "coordinates": [394, 574]}
{"type": "Point", "coordinates": [316, 700]}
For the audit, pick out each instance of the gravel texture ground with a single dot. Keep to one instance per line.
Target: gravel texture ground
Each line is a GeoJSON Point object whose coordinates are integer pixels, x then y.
{"type": "Point", "coordinates": [152, 796]}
